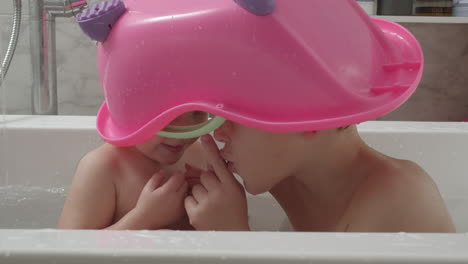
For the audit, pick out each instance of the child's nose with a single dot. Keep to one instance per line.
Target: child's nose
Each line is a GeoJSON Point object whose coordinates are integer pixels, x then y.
{"type": "Point", "coordinates": [219, 135]}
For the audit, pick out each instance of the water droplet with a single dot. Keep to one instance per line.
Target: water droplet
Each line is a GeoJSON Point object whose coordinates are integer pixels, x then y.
{"type": "Point", "coordinates": [221, 106]}
{"type": "Point", "coordinates": [234, 74]}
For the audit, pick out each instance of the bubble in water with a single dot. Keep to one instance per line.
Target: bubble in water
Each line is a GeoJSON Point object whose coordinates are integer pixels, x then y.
{"type": "Point", "coordinates": [30, 206]}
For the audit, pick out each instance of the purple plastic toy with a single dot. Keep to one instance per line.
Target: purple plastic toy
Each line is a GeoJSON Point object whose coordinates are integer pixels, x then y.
{"type": "Point", "coordinates": [97, 21]}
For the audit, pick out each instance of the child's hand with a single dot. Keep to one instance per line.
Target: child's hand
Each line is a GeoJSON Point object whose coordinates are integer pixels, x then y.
{"type": "Point", "coordinates": [192, 175]}
{"type": "Point", "coordinates": [161, 202]}
{"type": "Point", "coordinates": [219, 201]}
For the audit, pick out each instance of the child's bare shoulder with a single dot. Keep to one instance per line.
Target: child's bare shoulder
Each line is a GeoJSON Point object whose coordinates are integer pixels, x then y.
{"type": "Point", "coordinates": [398, 177]}
{"type": "Point", "coordinates": [396, 196]}
{"type": "Point", "coordinates": [103, 160]}
{"type": "Point", "coordinates": [103, 156]}
{"type": "Point", "coordinates": [91, 200]}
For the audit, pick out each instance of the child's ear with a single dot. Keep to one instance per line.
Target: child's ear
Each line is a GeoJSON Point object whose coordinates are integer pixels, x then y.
{"type": "Point", "coordinates": [309, 134]}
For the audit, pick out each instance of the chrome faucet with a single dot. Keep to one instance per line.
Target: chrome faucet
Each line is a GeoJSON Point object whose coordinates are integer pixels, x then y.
{"type": "Point", "coordinates": [43, 50]}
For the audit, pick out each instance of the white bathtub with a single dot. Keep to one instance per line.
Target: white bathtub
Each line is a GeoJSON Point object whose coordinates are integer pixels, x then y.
{"type": "Point", "coordinates": [38, 156]}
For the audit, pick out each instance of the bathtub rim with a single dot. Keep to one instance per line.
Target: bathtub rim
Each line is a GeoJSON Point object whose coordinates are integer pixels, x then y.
{"type": "Point", "coordinates": [337, 247]}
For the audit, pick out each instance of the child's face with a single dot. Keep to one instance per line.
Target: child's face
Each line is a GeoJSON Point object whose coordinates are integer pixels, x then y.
{"type": "Point", "coordinates": [262, 159]}
{"type": "Point", "coordinates": [168, 150]}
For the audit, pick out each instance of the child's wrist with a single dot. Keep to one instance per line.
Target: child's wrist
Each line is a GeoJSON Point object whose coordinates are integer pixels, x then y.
{"type": "Point", "coordinates": [143, 220]}
{"type": "Point", "coordinates": [139, 219]}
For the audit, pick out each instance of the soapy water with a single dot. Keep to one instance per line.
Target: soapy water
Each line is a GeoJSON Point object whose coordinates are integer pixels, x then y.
{"type": "Point", "coordinates": [34, 207]}
{"type": "Point", "coordinates": [30, 206]}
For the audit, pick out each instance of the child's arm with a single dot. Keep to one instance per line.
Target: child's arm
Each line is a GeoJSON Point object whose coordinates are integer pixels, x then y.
{"type": "Point", "coordinates": [219, 202]}
{"type": "Point", "coordinates": [160, 204]}
{"type": "Point", "coordinates": [90, 202]}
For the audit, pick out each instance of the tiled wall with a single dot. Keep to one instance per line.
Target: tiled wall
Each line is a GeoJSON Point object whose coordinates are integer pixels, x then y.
{"type": "Point", "coordinates": [442, 95]}
{"type": "Point", "coordinates": [443, 92]}
{"type": "Point", "coordinates": [78, 83]}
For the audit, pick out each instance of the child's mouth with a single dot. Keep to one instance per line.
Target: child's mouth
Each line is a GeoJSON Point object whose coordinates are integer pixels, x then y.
{"type": "Point", "coordinates": [174, 149]}
{"type": "Point", "coordinates": [229, 164]}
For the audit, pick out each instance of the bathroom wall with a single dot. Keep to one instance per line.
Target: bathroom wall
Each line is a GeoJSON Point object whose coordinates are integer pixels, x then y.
{"type": "Point", "coordinates": [442, 95]}
{"type": "Point", "coordinates": [78, 83]}
{"type": "Point", "coordinates": [443, 92]}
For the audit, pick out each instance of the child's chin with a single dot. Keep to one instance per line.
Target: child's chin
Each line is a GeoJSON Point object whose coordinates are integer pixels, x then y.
{"type": "Point", "coordinates": [253, 191]}
{"type": "Point", "coordinates": [170, 161]}
{"type": "Point", "coordinates": [169, 158]}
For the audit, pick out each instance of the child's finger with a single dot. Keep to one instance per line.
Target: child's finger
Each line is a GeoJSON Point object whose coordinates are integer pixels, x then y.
{"type": "Point", "coordinates": [215, 160]}
{"type": "Point", "coordinates": [190, 204]}
{"type": "Point", "coordinates": [184, 188]}
{"type": "Point", "coordinates": [155, 181]}
{"type": "Point", "coordinates": [192, 172]}
{"type": "Point", "coordinates": [193, 181]}
{"type": "Point", "coordinates": [199, 193]}
{"type": "Point", "coordinates": [174, 182]}
{"type": "Point", "coordinates": [209, 181]}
